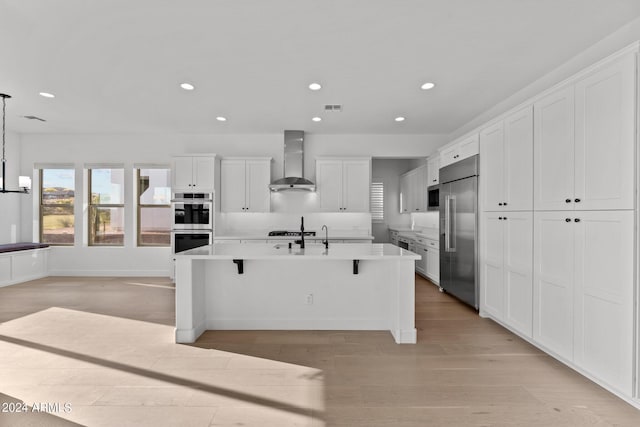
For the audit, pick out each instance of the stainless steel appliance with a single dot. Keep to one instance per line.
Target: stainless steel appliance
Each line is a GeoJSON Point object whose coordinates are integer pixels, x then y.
{"type": "Point", "coordinates": [293, 164]}
{"type": "Point", "coordinates": [404, 242]}
{"type": "Point", "coordinates": [459, 230]}
{"type": "Point", "coordinates": [193, 217]}
{"type": "Point", "coordinates": [183, 240]}
{"type": "Point", "coordinates": [433, 198]}
{"type": "Point", "coordinates": [192, 211]}
{"type": "Point", "coordinates": [288, 233]}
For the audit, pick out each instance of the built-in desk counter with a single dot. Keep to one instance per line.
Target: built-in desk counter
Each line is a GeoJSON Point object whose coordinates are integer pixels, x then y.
{"type": "Point", "coordinates": [269, 286]}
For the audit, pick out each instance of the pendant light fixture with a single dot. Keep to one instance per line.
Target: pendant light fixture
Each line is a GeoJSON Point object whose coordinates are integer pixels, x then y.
{"type": "Point", "coordinates": [23, 190]}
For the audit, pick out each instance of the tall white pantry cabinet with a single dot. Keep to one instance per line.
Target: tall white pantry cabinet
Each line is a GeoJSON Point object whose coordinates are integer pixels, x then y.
{"type": "Point", "coordinates": [559, 208]}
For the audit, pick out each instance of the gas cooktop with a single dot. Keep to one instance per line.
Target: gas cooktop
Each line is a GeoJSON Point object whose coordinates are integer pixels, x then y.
{"type": "Point", "coordinates": [290, 233]}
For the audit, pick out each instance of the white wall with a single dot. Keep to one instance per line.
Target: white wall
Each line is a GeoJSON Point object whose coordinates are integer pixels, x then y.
{"type": "Point", "coordinates": [605, 47]}
{"type": "Point", "coordinates": [10, 204]}
{"type": "Point", "coordinates": [389, 171]}
{"type": "Point", "coordinates": [130, 149]}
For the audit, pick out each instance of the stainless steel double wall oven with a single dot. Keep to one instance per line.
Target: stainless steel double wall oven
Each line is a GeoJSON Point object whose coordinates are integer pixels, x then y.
{"type": "Point", "coordinates": [193, 219]}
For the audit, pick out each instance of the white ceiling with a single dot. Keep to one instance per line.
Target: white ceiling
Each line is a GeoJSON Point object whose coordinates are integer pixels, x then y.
{"type": "Point", "coordinates": [115, 65]}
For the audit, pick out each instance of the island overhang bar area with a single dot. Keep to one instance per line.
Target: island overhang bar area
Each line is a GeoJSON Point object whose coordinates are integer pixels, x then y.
{"type": "Point", "coordinates": [275, 287]}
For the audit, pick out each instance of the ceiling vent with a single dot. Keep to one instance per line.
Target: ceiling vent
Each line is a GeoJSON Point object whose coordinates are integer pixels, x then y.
{"type": "Point", "coordinates": [333, 107]}
{"type": "Point", "coordinates": [34, 118]}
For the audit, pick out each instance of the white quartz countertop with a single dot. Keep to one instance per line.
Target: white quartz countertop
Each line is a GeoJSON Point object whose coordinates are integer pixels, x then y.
{"type": "Point", "coordinates": [318, 236]}
{"type": "Point", "coordinates": [271, 251]}
{"type": "Point", "coordinates": [429, 233]}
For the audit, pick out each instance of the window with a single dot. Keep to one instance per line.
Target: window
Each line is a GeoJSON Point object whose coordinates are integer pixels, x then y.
{"type": "Point", "coordinates": [377, 201]}
{"type": "Point", "coordinates": [154, 209]}
{"type": "Point", "coordinates": [57, 197]}
{"type": "Point", "coordinates": [106, 207]}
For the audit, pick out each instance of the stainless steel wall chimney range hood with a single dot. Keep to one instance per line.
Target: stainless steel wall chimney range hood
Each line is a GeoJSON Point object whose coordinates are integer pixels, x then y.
{"type": "Point", "coordinates": [293, 164]}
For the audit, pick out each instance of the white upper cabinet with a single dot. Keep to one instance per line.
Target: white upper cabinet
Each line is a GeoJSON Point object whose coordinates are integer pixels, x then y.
{"type": "Point", "coordinates": [356, 185]}
{"type": "Point", "coordinates": [232, 183]}
{"type": "Point", "coordinates": [459, 150]}
{"type": "Point", "coordinates": [492, 167]}
{"type": "Point", "coordinates": [193, 173]}
{"type": "Point", "coordinates": [584, 142]}
{"type": "Point", "coordinates": [506, 163]}
{"type": "Point", "coordinates": [413, 190]}
{"type": "Point", "coordinates": [433, 168]}
{"type": "Point", "coordinates": [405, 193]}
{"type": "Point", "coordinates": [329, 184]}
{"type": "Point", "coordinates": [518, 161]}
{"type": "Point", "coordinates": [245, 185]}
{"type": "Point", "coordinates": [604, 146]}
{"type": "Point", "coordinates": [554, 151]}
{"type": "Point", "coordinates": [343, 185]}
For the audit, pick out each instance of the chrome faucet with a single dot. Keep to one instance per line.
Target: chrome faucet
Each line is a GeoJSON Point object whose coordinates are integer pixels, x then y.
{"type": "Point", "coordinates": [301, 232]}
{"type": "Point", "coordinates": [325, 242]}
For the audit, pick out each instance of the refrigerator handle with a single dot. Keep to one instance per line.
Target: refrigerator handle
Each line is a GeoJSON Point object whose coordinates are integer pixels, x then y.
{"type": "Point", "coordinates": [452, 223]}
{"type": "Point", "coordinates": [446, 223]}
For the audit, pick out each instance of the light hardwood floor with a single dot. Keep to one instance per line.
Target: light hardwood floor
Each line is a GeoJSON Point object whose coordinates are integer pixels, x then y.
{"type": "Point", "coordinates": [105, 346]}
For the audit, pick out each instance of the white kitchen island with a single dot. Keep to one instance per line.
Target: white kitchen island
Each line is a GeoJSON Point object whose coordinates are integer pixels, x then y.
{"type": "Point", "coordinates": [269, 286]}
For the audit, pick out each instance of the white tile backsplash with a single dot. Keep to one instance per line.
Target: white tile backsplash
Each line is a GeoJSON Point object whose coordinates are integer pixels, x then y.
{"type": "Point", "coordinates": [259, 223]}
{"type": "Point", "coordinates": [422, 220]}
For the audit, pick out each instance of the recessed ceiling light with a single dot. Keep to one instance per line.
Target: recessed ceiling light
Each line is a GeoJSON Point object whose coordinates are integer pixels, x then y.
{"type": "Point", "coordinates": [399, 119]}
{"type": "Point", "coordinates": [315, 86]}
{"type": "Point", "coordinates": [428, 86]}
{"type": "Point", "coordinates": [317, 119]}
{"type": "Point", "coordinates": [221, 119]}
{"type": "Point", "coordinates": [187, 86]}
{"type": "Point", "coordinates": [47, 95]}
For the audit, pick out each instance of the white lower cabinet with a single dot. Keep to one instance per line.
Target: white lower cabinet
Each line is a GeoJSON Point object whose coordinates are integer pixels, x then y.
{"type": "Point", "coordinates": [433, 265]}
{"type": "Point", "coordinates": [583, 291]}
{"type": "Point", "coordinates": [507, 268]}
{"type": "Point", "coordinates": [421, 264]}
{"type": "Point", "coordinates": [603, 297]}
{"type": "Point", "coordinates": [429, 265]}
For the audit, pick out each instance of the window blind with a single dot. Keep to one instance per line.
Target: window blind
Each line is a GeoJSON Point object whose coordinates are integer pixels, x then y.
{"type": "Point", "coordinates": [377, 201]}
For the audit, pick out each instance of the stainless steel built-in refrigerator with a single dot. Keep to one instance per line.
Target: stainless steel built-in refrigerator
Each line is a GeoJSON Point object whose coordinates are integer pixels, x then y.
{"type": "Point", "coordinates": [458, 230]}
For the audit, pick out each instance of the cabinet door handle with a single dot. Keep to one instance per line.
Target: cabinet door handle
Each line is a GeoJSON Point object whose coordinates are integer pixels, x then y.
{"type": "Point", "coordinates": [577, 200]}
{"type": "Point", "coordinates": [500, 218]}
{"type": "Point", "coordinates": [499, 204]}
{"type": "Point", "coordinates": [567, 219]}
{"type": "Point", "coordinates": [504, 203]}
{"type": "Point", "coordinates": [576, 220]}
{"type": "Point", "coordinates": [504, 218]}
{"type": "Point", "coordinates": [567, 200]}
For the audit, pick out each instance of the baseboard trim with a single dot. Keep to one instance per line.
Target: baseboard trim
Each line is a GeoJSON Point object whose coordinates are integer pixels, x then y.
{"type": "Point", "coordinates": [187, 336]}
{"type": "Point", "coordinates": [22, 280]}
{"type": "Point", "coordinates": [405, 336]}
{"type": "Point", "coordinates": [108, 273]}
